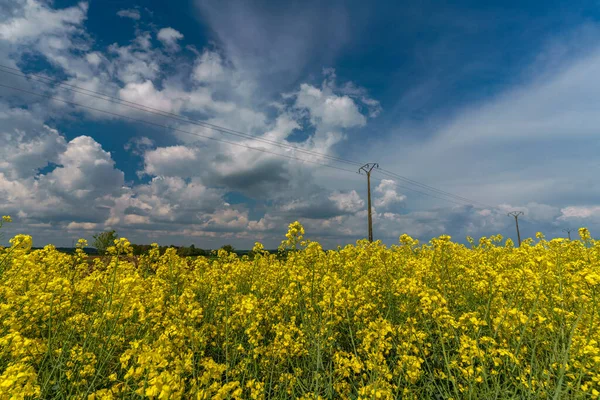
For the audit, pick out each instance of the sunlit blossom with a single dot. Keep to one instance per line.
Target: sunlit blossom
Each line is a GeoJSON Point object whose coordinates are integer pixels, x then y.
{"type": "Point", "coordinates": [435, 320]}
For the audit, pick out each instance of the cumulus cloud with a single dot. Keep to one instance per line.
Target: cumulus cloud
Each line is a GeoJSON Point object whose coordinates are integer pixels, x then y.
{"type": "Point", "coordinates": [534, 211]}
{"type": "Point", "coordinates": [387, 194]}
{"type": "Point", "coordinates": [579, 213]}
{"type": "Point", "coordinates": [328, 108]}
{"type": "Point", "coordinates": [146, 94]}
{"type": "Point", "coordinates": [225, 219]}
{"type": "Point", "coordinates": [171, 161]}
{"type": "Point", "coordinates": [169, 38]}
{"type": "Point", "coordinates": [136, 62]}
{"type": "Point", "coordinates": [316, 203]}
{"type": "Point", "coordinates": [45, 177]}
{"type": "Point", "coordinates": [94, 58]}
{"type": "Point", "coordinates": [85, 226]}
{"type": "Point", "coordinates": [349, 202]}
{"type": "Point", "coordinates": [28, 144]}
{"type": "Point", "coordinates": [33, 20]}
{"type": "Point", "coordinates": [224, 96]}
{"type": "Point", "coordinates": [134, 219]}
{"type": "Point", "coordinates": [83, 173]}
{"type": "Point", "coordinates": [209, 67]}
{"type": "Point", "coordinates": [176, 199]}
{"type": "Point", "coordinates": [129, 13]}
{"type": "Point", "coordinates": [86, 170]}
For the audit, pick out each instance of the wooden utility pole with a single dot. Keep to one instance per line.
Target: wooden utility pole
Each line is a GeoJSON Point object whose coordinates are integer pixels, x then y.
{"type": "Point", "coordinates": [516, 215]}
{"type": "Point", "coordinates": [367, 168]}
{"type": "Point", "coordinates": [568, 232]}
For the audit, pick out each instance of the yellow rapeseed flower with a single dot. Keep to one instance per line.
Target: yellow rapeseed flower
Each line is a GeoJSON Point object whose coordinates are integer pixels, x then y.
{"type": "Point", "coordinates": [364, 321]}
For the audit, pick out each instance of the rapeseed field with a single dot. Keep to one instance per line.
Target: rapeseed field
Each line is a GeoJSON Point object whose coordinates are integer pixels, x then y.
{"type": "Point", "coordinates": [414, 321]}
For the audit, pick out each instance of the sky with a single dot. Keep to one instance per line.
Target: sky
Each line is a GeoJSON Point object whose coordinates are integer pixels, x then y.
{"type": "Point", "coordinates": [221, 122]}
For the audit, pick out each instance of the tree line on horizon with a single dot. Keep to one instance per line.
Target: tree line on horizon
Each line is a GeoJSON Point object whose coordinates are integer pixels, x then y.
{"type": "Point", "coordinates": [102, 241]}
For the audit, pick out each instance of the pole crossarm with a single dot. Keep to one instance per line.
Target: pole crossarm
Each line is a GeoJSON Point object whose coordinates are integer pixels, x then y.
{"type": "Point", "coordinates": [367, 168]}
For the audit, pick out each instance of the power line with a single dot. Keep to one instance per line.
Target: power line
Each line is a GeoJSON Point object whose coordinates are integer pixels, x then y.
{"type": "Point", "coordinates": [162, 113]}
{"type": "Point", "coordinates": [427, 187]}
{"type": "Point", "coordinates": [215, 139]}
{"type": "Point", "coordinates": [175, 129]}
{"type": "Point", "coordinates": [155, 111]}
{"type": "Point", "coordinates": [423, 193]}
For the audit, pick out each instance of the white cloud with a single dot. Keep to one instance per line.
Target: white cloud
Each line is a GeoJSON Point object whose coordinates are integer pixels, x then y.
{"type": "Point", "coordinates": [171, 161]}
{"type": "Point", "coordinates": [169, 38]}
{"type": "Point", "coordinates": [535, 142]}
{"type": "Point", "coordinates": [388, 194]}
{"type": "Point", "coordinates": [34, 20]}
{"type": "Point", "coordinates": [165, 202]}
{"type": "Point", "coordinates": [224, 96]}
{"type": "Point", "coordinates": [145, 93]}
{"type": "Point", "coordinates": [225, 219]}
{"type": "Point", "coordinates": [83, 174]}
{"type": "Point", "coordinates": [579, 212]}
{"type": "Point", "coordinates": [209, 67]}
{"type": "Point", "coordinates": [133, 219]}
{"type": "Point", "coordinates": [349, 202]}
{"type": "Point", "coordinates": [33, 26]}
{"type": "Point", "coordinates": [136, 62]}
{"type": "Point", "coordinates": [283, 128]}
{"type": "Point", "coordinates": [129, 13]}
{"type": "Point", "coordinates": [189, 176]}
{"type": "Point", "coordinates": [94, 58]}
{"type": "Point", "coordinates": [28, 145]}
{"type": "Point", "coordinates": [329, 109]}
{"type": "Point", "coordinates": [86, 226]}
{"type": "Point", "coordinates": [85, 169]}
{"type": "Point", "coordinates": [182, 194]}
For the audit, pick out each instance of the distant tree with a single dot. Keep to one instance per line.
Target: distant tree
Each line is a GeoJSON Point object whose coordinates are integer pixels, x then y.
{"type": "Point", "coordinates": [139, 249]}
{"type": "Point", "coordinates": [191, 251]}
{"type": "Point", "coordinates": [229, 248]}
{"type": "Point", "coordinates": [103, 240]}
{"type": "Point", "coordinates": [182, 251]}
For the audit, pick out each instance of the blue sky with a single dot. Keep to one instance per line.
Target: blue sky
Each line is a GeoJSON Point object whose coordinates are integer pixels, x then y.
{"type": "Point", "coordinates": [492, 101]}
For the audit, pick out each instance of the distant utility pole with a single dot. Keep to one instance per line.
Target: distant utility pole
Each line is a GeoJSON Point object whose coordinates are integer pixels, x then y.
{"type": "Point", "coordinates": [516, 215]}
{"type": "Point", "coordinates": [568, 232]}
{"type": "Point", "coordinates": [367, 168]}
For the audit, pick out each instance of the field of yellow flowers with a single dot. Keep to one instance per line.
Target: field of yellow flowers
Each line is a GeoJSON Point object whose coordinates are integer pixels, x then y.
{"type": "Point", "coordinates": [432, 321]}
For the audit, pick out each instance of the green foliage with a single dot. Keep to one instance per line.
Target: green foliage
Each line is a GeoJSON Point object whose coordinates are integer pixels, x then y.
{"type": "Point", "coordinates": [228, 248]}
{"type": "Point", "coordinates": [103, 240]}
{"type": "Point", "coordinates": [182, 251]}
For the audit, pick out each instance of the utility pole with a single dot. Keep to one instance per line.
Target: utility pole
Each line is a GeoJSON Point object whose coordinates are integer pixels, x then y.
{"type": "Point", "coordinates": [516, 215]}
{"type": "Point", "coordinates": [367, 168]}
{"type": "Point", "coordinates": [568, 232]}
